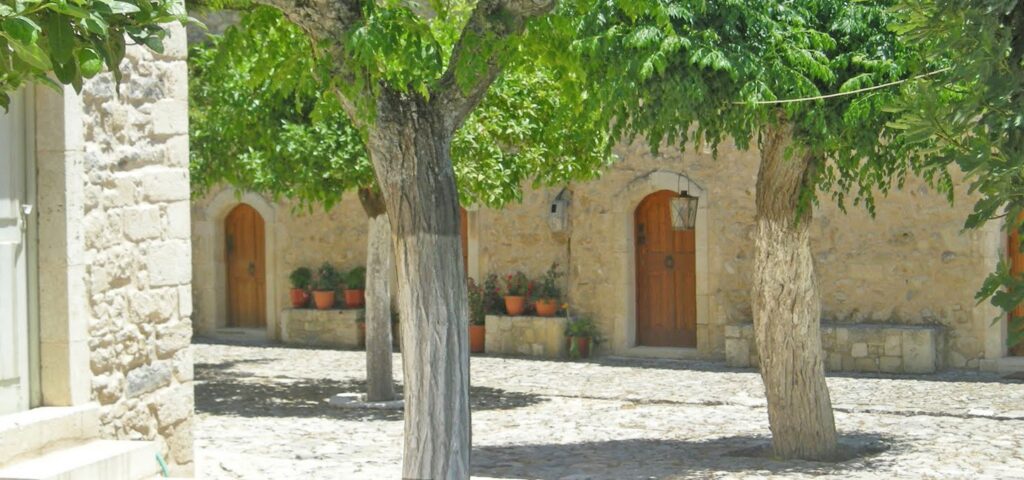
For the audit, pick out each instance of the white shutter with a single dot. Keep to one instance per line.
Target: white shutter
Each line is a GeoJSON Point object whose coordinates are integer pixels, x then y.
{"type": "Point", "coordinates": [14, 389]}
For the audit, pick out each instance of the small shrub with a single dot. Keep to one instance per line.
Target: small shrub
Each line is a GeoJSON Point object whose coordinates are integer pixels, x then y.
{"type": "Point", "coordinates": [327, 278]}
{"type": "Point", "coordinates": [517, 285]}
{"type": "Point", "coordinates": [477, 296]}
{"type": "Point", "coordinates": [356, 279]}
{"type": "Point", "coordinates": [301, 278]}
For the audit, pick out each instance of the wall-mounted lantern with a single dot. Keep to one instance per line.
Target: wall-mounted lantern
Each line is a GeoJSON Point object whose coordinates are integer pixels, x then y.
{"type": "Point", "coordinates": [684, 212]}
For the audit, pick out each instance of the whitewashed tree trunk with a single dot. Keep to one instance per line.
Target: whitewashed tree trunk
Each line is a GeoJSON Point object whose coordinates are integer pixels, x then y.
{"type": "Point", "coordinates": [379, 384]}
{"type": "Point", "coordinates": [409, 146]}
{"type": "Point", "coordinates": [787, 307]}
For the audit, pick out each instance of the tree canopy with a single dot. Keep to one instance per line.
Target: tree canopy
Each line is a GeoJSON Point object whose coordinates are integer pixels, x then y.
{"type": "Point", "coordinates": [265, 117]}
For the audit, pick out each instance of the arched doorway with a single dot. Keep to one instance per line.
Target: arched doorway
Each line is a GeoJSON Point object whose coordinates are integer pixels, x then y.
{"type": "Point", "coordinates": [666, 287]}
{"type": "Point", "coordinates": [246, 273]}
{"type": "Point", "coordinates": [1017, 269]}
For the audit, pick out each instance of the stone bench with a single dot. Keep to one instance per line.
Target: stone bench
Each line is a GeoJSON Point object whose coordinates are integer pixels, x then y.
{"type": "Point", "coordinates": [858, 347]}
{"type": "Point", "coordinates": [321, 328]}
{"type": "Point", "coordinates": [542, 337]}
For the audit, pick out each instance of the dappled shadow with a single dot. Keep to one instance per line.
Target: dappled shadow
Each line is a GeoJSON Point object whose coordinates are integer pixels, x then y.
{"type": "Point", "coordinates": [652, 458]}
{"type": "Point", "coordinates": [220, 392]}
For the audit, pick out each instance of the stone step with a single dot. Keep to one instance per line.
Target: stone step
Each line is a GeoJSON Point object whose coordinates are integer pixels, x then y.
{"type": "Point", "coordinates": [25, 434]}
{"type": "Point", "coordinates": [91, 460]}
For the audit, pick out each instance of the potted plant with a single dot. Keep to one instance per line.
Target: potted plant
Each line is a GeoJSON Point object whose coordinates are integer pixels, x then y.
{"type": "Point", "coordinates": [548, 294]}
{"type": "Point", "coordinates": [327, 280]}
{"type": "Point", "coordinates": [517, 288]}
{"type": "Point", "coordinates": [582, 334]}
{"type": "Point", "coordinates": [300, 279]}
{"type": "Point", "coordinates": [355, 288]}
{"type": "Point", "coordinates": [477, 315]}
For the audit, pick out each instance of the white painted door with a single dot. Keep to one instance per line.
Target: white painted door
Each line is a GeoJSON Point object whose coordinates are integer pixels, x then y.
{"type": "Point", "coordinates": [14, 352]}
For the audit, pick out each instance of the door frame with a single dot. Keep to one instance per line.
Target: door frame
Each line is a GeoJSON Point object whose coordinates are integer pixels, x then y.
{"type": "Point", "coordinates": [624, 339]}
{"type": "Point", "coordinates": [213, 309]}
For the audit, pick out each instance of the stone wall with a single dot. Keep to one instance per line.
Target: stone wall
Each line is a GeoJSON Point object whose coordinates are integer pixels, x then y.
{"type": "Point", "coordinates": [856, 347]}
{"type": "Point", "coordinates": [136, 229]}
{"type": "Point", "coordinates": [542, 337]}
{"type": "Point", "coordinates": [324, 328]}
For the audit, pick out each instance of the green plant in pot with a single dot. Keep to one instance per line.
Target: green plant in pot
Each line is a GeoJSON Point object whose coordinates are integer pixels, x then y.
{"type": "Point", "coordinates": [301, 278]}
{"type": "Point", "coordinates": [517, 289]}
{"type": "Point", "coordinates": [477, 316]}
{"type": "Point", "coordinates": [327, 280]}
{"type": "Point", "coordinates": [355, 288]}
{"type": "Point", "coordinates": [547, 293]}
{"type": "Point", "coordinates": [582, 335]}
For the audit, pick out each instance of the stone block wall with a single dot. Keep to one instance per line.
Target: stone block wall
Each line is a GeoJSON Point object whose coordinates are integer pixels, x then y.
{"type": "Point", "coordinates": [324, 328]}
{"type": "Point", "coordinates": [136, 232]}
{"type": "Point", "coordinates": [542, 337]}
{"type": "Point", "coordinates": [857, 347]}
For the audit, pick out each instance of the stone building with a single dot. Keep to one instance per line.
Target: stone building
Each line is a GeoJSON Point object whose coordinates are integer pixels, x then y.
{"type": "Point", "coordinates": [897, 290]}
{"type": "Point", "coordinates": [95, 275]}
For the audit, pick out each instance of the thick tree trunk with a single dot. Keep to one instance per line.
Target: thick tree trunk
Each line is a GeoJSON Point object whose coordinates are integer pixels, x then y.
{"type": "Point", "coordinates": [379, 384]}
{"type": "Point", "coordinates": [409, 145]}
{"type": "Point", "coordinates": [787, 308]}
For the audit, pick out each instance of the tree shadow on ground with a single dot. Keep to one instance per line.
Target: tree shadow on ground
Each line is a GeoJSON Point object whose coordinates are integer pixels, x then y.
{"type": "Point", "coordinates": [652, 458]}
{"type": "Point", "coordinates": [243, 395]}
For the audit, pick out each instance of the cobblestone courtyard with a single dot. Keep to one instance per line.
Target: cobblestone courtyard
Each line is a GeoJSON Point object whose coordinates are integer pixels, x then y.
{"type": "Point", "coordinates": [261, 414]}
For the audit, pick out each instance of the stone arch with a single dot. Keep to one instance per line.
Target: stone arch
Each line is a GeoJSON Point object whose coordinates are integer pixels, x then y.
{"type": "Point", "coordinates": [212, 311]}
{"type": "Point", "coordinates": [624, 337]}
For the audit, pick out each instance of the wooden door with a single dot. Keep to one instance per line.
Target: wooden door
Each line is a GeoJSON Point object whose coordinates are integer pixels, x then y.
{"type": "Point", "coordinates": [464, 236]}
{"type": "Point", "coordinates": [247, 305]}
{"type": "Point", "coordinates": [14, 343]}
{"type": "Point", "coordinates": [1017, 269]}
{"type": "Point", "coordinates": [666, 287]}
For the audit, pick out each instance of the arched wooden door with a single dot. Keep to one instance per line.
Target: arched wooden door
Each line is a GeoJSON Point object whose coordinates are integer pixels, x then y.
{"type": "Point", "coordinates": [247, 306]}
{"type": "Point", "coordinates": [1017, 269]}
{"type": "Point", "coordinates": [666, 287]}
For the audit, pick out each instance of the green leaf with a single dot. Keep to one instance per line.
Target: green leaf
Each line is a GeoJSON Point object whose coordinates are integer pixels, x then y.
{"type": "Point", "coordinates": [31, 54]}
{"type": "Point", "coordinates": [61, 37]}
{"type": "Point", "coordinates": [90, 62]}
{"type": "Point", "coordinates": [22, 28]}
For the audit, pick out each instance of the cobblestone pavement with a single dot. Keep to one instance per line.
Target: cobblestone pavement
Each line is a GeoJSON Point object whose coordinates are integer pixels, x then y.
{"type": "Point", "coordinates": [262, 414]}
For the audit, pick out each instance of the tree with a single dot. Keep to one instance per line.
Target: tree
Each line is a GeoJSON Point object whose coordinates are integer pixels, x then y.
{"type": "Point", "coordinates": [75, 40]}
{"type": "Point", "coordinates": [717, 70]}
{"type": "Point", "coordinates": [266, 117]}
{"type": "Point", "coordinates": [970, 114]}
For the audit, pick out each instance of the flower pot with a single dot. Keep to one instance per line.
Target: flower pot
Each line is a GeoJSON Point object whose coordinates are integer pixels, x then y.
{"type": "Point", "coordinates": [582, 345]}
{"type": "Point", "coordinates": [515, 305]}
{"type": "Point", "coordinates": [546, 307]}
{"type": "Point", "coordinates": [300, 298]}
{"type": "Point", "coordinates": [362, 334]}
{"type": "Point", "coordinates": [355, 298]}
{"type": "Point", "coordinates": [477, 333]}
{"type": "Point", "coordinates": [323, 299]}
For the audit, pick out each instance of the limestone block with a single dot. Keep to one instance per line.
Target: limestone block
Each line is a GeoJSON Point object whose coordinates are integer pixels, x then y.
{"type": "Point", "coordinates": [178, 220]}
{"type": "Point", "coordinates": [919, 354]}
{"type": "Point", "coordinates": [859, 350]}
{"type": "Point", "coordinates": [890, 364]}
{"type": "Point", "coordinates": [148, 378]}
{"type": "Point", "coordinates": [164, 184]}
{"type": "Point", "coordinates": [175, 404]}
{"type": "Point", "coordinates": [169, 263]}
{"type": "Point", "coordinates": [183, 365]}
{"type": "Point", "coordinates": [123, 192]}
{"type": "Point", "coordinates": [834, 362]}
{"type": "Point", "coordinates": [737, 353]}
{"type": "Point", "coordinates": [142, 222]}
{"type": "Point", "coordinates": [170, 117]}
{"type": "Point", "coordinates": [172, 337]}
{"type": "Point", "coordinates": [893, 344]}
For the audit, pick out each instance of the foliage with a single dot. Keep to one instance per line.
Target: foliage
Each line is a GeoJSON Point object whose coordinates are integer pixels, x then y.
{"type": "Point", "coordinates": [547, 286]}
{"type": "Point", "coordinates": [265, 117]}
{"type": "Point", "coordinates": [355, 279]}
{"type": "Point", "coordinates": [477, 301]}
{"type": "Point", "coordinates": [517, 285]}
{"type": "Point", "coordinates": [301, 278]}
{"type": "Point", "coordinates": [493, 303]}
{"type": "Point", "coordinates": [75, 40]}
{"type": "Point", "coordinates": [327, 278]}
{"type": "Point", "coordinates": [972, 115]}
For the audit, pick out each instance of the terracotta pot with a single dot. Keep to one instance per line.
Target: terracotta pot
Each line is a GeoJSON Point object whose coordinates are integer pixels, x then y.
{"type": "Point", "coordinates": [300, 298]}
{"type": "Point", "coordinates": [323, 300]}
{"type": "Point", "coordinates": [515, 305]}
{"type": "Point", "coordinates": [355, 298]}
{"type": "Point", "coordinates": [546, 307]}
{"type": "Point", "coordinates": [582, 346]}
{"type": "Point", "coordinates": [477, 333]}
{"type": "Point", "coordinates": [362, 334]}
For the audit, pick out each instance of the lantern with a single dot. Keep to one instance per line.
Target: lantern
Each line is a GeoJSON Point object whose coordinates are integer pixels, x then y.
{"type": "Point", "coordinates": [684, 212]}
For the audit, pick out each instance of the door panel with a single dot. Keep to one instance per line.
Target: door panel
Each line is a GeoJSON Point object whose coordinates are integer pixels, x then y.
{"type": "Point", "coordinates": [1017, 269]}
{"type": "Point", "coordinates": [14, 347]}
{"type": "Point", "coordinates": [245, 262]}
{"type": "Point", "coordinates": [666, 310]}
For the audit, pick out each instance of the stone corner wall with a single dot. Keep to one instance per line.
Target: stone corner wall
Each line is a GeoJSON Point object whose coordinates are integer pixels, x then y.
{"type": "Point", "coordinates": [542, 337]}
{"type": "Point", "coordinates": [137, 250]}
{"type": "Point", "coordinates": [862, 347]}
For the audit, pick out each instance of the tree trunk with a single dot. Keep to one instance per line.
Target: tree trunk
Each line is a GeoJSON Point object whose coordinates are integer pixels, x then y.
{"type": "Point", "coordinates": [409, 145]}
{"type": "Point", "coordinates": [787, 307]}
{"type": "Point", "coordinates": [379, 383]}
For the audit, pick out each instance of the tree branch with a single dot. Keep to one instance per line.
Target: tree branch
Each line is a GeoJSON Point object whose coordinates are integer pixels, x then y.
{"type": "Point", "coordinates": [477, 58]}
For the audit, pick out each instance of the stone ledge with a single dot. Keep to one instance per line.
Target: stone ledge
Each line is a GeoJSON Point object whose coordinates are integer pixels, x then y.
{"type": "Point", "coordinates": [859, 347]}
{"type": "Point", "coordinates": [529, 336]}
{"type": "Point", "coordinates": [322, 328]}
{"type": "Point", "coordinates": [24, 433]}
